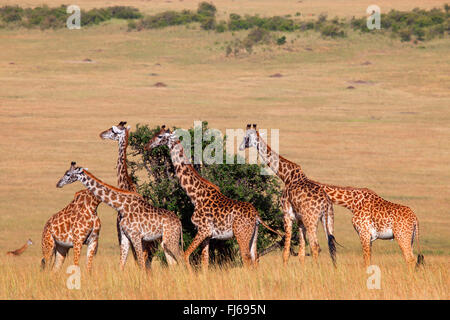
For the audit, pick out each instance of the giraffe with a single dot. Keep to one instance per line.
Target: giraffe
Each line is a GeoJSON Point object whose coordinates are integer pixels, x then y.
{"type": "Point", "coordinates": [302, 200]}
{"type": "Point", "coordinates": [376, 218]}
{"type": "Point", "coordinates": [215, 216]}
{"type": "Point", "coordinates": [120, 134]}
{"type": "Point", "coordinates": [73, 226]}
{"type": "Point", "coordinates": [139, 221]}
{"type": "Point", "coordinates": [19, 251]}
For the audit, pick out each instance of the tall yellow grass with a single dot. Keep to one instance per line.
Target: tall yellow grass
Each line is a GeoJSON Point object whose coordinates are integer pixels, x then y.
{"type": "Point", "coordinates": [24, 280]}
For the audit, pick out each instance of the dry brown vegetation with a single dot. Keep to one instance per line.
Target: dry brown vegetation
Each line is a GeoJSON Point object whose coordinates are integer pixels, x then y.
{"type": "Point", "coordinates": [390, 133]}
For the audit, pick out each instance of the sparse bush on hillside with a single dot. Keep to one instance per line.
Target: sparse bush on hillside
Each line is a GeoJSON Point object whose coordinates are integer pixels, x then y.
{"type": "Point", "coordinates": [420, 23]}
{"type": "Point", "coordinates": [237, 181]}
{"type": "Point", "coordinates": [46, 18]}
{"type": "Point", "coordinates": [255, 36]}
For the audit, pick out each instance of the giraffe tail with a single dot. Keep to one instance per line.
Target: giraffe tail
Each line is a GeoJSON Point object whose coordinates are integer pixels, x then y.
{"type": "Point", "coordinates": [420, 257]}
{"type": "Point", "coordinates": [269, 228]}
{"type": "Point", "coordinates": [332, 248]}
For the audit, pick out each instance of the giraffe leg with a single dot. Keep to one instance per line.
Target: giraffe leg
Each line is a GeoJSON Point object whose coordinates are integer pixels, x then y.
{"type": "Point", "coordinates": [61, 253]}
{"type": "Point", "coordinates": [124, 247]}
{"type": "Point", "coordinates": [77, 252]}
{"type": "Point", "coordinates": [198, 239]}
{"type": "Point", "coordinates": [91, 250]}
{"type": "Point", "coordinates": [311, 233]}
{"type": "Point", "coordinates": [366, 247]}
{"type": "Point", "coordinates": [137, 244]}
{"type": "Point", "coordinates": [48, 249]}
{"type": "Point", "coordinates": [205, 254]}
{"type": "Point", "coordinates": [244, 230]}
{"type": "Point", "coordinates": [404, 240]}
{"type": "Point", "coordinates": [302, 242]}
{"type": "Point", "coordinates": [287, 238]}
{"type": "Point", "coordinates": [170, 244]}
{"type": "Point", "coordinates": [92, 244]}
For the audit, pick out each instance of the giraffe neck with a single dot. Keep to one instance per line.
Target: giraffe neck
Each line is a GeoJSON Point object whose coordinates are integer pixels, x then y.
{"type": "Point", "coordinates": [123, 179]}
{"type": "Point", "coordinates": [282, 167]}
{"type": "Point", "coordinates": [89, 200]}
{"type": "Point", "coordinates": [189, 178]}
{"type": "Point", "coordinates": [106, 193]}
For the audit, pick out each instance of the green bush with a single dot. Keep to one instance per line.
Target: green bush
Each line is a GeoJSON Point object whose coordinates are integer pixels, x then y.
{"type": "Point", "coordinates": [281, 40]}
{"type": "Point", "coordinates": [420, 23]}
{"type": "Point", "coordinates": [206, 9]}
{"type": "Point", "coordinates": [45, 17]}
{"type": "Point", "coordinates": [237, 181]}
{"type": "Point", "coordinates": [331, 30]}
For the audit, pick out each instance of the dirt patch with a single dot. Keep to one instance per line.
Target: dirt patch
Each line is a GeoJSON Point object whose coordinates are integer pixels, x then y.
{"type": "Point", "coordinates": [276, 75]}
{"type": "Point", "coordinates": [362, 82]}
{"type": "Point", "coordinates": [160, 85]}
{"type": "Point", "coordinates": [366, 63]}
{"type": "Point", "coordinates": [153, 74]}
{"type": "Point", "coordinates": [87, 60]}
{"type": "Point", "coordinates": [351, 87]}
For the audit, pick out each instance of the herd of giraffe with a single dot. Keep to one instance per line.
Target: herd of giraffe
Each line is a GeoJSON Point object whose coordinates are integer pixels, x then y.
{"type": "Point", "coordinates": [141, 227]}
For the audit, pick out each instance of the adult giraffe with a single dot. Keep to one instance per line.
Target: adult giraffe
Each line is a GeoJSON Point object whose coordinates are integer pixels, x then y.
{"type": "Point", "coordinates": [120, 134]}
{"type": "Point", "coordinates": [215, 216]}
{"type": "Point", "coordinates": [139, 221]}
{"type": "Point", "coordinates": [376, 218]}
{"type": "Point", "coordinates": [302, 200]}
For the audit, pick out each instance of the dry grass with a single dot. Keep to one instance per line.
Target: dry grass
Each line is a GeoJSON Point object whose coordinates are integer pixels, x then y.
{"type": "Point", "coordinates": [269, 281]}
{"type": "Point", "coordinates": [391, 136]}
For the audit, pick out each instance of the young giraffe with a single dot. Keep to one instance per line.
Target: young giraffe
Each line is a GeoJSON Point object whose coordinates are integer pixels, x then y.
{"type": "Point", "coordinates": [376, 218]}
{"type": "Point", "coordinates": [302, 200]}
{"type": "Point", "coordinates": [19, 251]}
{"type": "Point", "coordinates": [120, 134]}
{"type": "Point", "coordinates": [216, 216]}
{"type": "Point", "coordinates": [139, 221]}
{"type": "Point", "coordinates": [73, 226]}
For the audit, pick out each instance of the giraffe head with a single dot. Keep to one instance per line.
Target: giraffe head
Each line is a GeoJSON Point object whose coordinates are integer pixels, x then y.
{"type": "Point", "coordinates": [250, 139]}
{"type": "Point", "coordinates": [71, 175]}
{"type": "Point", "coordinates": [29, 242]}
{"type": "Point", "coordinates": [115, 132]}
{"type": "Point", "coordinates": [163, 137]}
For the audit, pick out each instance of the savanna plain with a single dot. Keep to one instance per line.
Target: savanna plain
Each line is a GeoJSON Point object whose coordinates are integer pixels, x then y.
{"type": "Point", "coordinates": [390, 133]}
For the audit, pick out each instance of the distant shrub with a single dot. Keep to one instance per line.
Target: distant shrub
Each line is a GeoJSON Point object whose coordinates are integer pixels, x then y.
{"type": "Point", "coordinates": [419, 23]}
{"type": "Point", "coordinates": [11, 13]}
{"type": "Point", "coordinates": [221, 26]}
{"type": "Point", "coordinates": [45, 17]}
{"type": "Point", "coordinates": [123, 12]}
{"type": "Point", "coordinates": [206, 9]}
{"type": "Point", "coordinates": [331, 30]}
{"type": "Point", "coordinates": [405, 34]}
{"type": "Point", "coordinates": [281, 40]}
